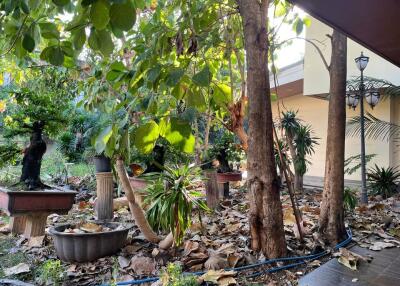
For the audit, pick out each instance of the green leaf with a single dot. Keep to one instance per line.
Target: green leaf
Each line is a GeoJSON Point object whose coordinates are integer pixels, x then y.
{"type": "Point", "coordinates": [307, 21]}
{"type": "Point", "coordinates": [179, 134]}
{"type": "Point", "coordinates": [67, 49]}
{"type": "Point", "coordinates": [123, 15]}
{"type": "Point", "coordinates": [146, 136]}
{"type": "Point", "coordinates": [203, 78]}
{"type": "Point", "coordinates": [53, 55]}
{"type": "Point", "coordinates": [195, 98]}
{"type": "Point", "coordinates": [106, 43]}
{"type": "Point", "coordinates": [61, 2]}
{"type": "Point", "coordinates": [174, 77]}
{"type": "Point", "coordinates": [102, 139]}
{"type": "Point", "coordinates": [153, 73]}
{"type": "Point", "coordinates": [117, 66]}
{"type": "Point", "coordinates": [281, 9]}
{"type": "Point", "coordinates": [49, 31]}
{"type": "Point", "coordinates": [20, 52]}
{"type": "Point", "coordinates": [116, 69]}
{"type": "Point", "coordinates": [28, 43]}
{"type": "Point", "coordinates": [99, 14]}
{"type": "Point", "coordinates": [101, 41]}
{"type": "Point", "coordinates": [79, 38]}
{"type": "Point", "coordinates": [222, 94]}
{"type": "Point", "coordinates": [24, 6]}
{"type": "Point", "coordinates": [86, 3]}
{"type": "Point", "coordinates": [298, 26]}
{"type": "Point", "coordinates": [56, 56]}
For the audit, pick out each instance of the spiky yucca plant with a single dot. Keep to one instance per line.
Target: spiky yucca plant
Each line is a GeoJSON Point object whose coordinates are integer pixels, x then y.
{"type": "Point", "coordinates": [383, 181]}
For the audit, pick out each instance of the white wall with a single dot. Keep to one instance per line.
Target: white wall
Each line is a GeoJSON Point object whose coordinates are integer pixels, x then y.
{"type": "Point", "coordinates": [316, 77]}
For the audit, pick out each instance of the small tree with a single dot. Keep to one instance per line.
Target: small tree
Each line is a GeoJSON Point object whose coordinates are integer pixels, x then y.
{"type": "Point", "coordinates": [300, 141]}
{"type": "Point", "coordinates": [35, 108]}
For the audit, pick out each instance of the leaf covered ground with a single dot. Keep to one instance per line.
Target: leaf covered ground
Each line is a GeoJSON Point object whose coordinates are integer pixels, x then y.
{"type": "Point", "coordinates": [218, 240]}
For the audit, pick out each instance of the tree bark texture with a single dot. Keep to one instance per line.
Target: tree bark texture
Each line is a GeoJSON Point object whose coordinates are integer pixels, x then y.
{"type": "Point", "coordinates": [331, 221]}
{"type": "Point", "coordinates": [32, 160]}
{"type": "Point", "coordinates": [266, 222]}
{"type": "Point", "coordinates": [136, 211]}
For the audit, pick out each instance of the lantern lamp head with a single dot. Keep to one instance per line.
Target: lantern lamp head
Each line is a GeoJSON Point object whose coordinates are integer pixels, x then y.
{"type": "Point", "coordinates": [362, 62]}
{"type": "Point", "coordinates": [372, 97]}
{"type": "Point", "coordinates": [352, 99]}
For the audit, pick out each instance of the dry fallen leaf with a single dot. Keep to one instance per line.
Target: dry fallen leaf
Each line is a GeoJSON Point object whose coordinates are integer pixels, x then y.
{"type": "Point", "coordinates": [215, 276]}
{"type": "Point", "coordinates": [91, 227]}
{"type": "Point", "coordinates": [348, 259]}
{"type": "Point", "coordinates": [123, 261]}
{"type": "Point", "coordinates": [216, 262]}
{"type": "Point", "coordinates": [225, 281]}
{"type": "Point", "coordinates": [379, 245]}
{"type": "Point", "coordinates": [143, 265]}
{"type": "Point", "coordinates": [190, 246]}
{"type": "Point", "coordinates": [36, 241]}
{"type": "Point", "coordinates": [17, 269]}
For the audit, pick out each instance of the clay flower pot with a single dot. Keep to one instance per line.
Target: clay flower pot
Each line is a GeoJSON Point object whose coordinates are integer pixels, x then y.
{"type": "Point", "coordinates": [84, 247]}
{"type": "Point", "coordinates": [229, 177]}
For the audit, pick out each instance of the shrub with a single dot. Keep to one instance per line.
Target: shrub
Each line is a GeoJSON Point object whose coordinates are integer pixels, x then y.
{"type": "Point", "coordinates": [383, 181]}
{"type": "Point", "coordinates": [52, 272]}
{"type": "Point", "coordinates": [173, 276]}
{"type": "Point", "coordinates": [349, 199]}
{"type": "Point", "coordinates": [172, 197]}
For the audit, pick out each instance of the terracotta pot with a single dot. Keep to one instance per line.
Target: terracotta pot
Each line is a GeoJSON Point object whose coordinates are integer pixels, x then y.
{"type": "Point", "coordinates": [21, 202]}
{"type": "Point", "coordinates": [138, 184]}
{"type": "Point", "coordinates": [229, 177]}
{"type": "Point", "coordinates": [84, 247]}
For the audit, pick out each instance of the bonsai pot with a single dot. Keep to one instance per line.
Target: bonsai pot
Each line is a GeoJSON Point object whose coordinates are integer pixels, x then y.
{"type": "Point", "coordinates": [102, 164]}
{"type": "Point", "coordinates": [29, 209]}
{"type": "Point", "coordinates": [229, 177]}
{"type": "Point", "coordinates": [85, 247]}
{"type": "Point", "coordinates": [28, 202]}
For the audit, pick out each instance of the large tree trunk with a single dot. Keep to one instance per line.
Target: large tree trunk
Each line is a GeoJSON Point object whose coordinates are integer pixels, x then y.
{"type": "Point", "coordinates": [32, 161]}
{"type": "Point", "coordinates": [298, 182]}
{"type": "Point", "coordinates": [331, 221]}
{"type": "Point", "coordinates": [266, 223]}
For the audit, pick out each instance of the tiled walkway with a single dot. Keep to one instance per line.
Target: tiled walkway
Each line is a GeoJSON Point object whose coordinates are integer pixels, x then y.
{"type": "Point", "coordinates": [384, 270]}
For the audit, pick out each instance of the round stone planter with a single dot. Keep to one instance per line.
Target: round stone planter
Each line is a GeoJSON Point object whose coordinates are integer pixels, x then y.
{"type": "Point", "coordinates": [84, 247]}
{"type": "Point", "coordinates": [229, 177]}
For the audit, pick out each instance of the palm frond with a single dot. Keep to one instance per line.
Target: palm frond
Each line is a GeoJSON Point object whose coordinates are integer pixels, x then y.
{"type": "Point", "coordinates": [387, 88]}
{"type": "Point", "coordinates": [375, 128]}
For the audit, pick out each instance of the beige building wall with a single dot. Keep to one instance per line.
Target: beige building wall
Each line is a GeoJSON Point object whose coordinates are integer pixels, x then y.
{"type": "Point", "coordinates": [314, 111]}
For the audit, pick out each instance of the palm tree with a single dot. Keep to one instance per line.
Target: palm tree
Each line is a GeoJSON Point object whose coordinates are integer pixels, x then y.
{"type": "Point", "coordinates": [300, 141]}
{"type": "Point", "coordinates": [304, 143]}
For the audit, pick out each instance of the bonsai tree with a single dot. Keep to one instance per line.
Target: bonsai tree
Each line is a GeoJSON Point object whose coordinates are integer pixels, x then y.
{"type": "Point", "coordinates": [225, 150]}
{"type": "Point", "coordinates": [34, 108]}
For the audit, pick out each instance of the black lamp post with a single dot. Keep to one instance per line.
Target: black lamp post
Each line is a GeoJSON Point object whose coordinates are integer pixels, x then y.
{"type": "Point", "coordinates": [355, 95]}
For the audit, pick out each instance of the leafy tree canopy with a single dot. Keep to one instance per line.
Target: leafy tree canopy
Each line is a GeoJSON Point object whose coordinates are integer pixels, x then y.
{"type": "Point", "coordinates": [40, 101]}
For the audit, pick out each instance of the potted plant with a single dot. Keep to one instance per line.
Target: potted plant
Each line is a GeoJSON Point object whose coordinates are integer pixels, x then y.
{"type": "Point", "coordinates": [226, 155]}
{"type": "Point", "coordinates": [102, 163]}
